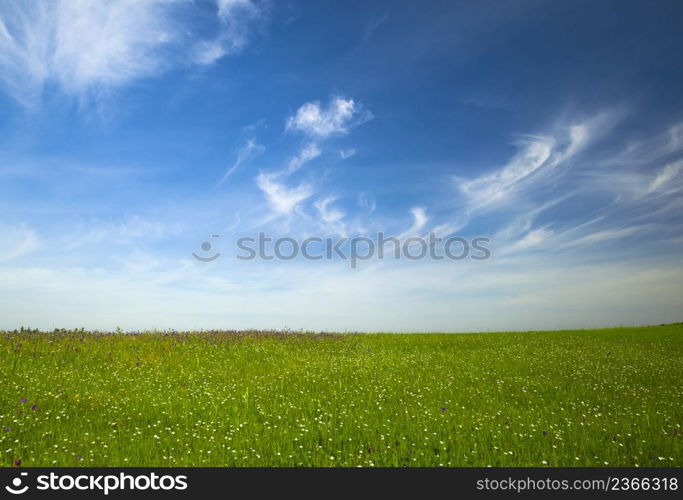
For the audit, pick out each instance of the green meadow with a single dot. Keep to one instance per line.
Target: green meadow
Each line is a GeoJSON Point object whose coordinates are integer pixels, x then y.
{"type": "Point", "coordinates": [610, 397]}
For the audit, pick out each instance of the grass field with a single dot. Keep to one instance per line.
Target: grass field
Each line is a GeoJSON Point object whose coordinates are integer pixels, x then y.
{"type": "Point", "coordinates": [572, 398]}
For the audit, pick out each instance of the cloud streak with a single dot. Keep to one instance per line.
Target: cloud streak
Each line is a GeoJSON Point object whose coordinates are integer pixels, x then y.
{"type": "Point", "coordinates": [664, 177]}
{"type": "Point", "coordinates": [16, 242]}
{"type": "Point", "coordinates": [308, 153]}
{"type": "Point", "coordinates": [249, 150]}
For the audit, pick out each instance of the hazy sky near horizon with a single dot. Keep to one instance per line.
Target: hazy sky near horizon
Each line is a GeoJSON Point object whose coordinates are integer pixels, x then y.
{"type": "Point", "coordinates": [132, 130]}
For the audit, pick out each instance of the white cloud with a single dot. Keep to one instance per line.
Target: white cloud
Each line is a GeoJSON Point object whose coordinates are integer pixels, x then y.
{"type": "Point", "coordinates": [539, 155]}
{"type": "Point", "coordinates": [606, 235]}
{"type": "Point", "coordinates": [86, 47]}
{"type": "Point", "coordinates": [666, 175]}
{"type": "Point", "coordinates": [328, 215]}
{"type": "Point", "coordinates": [16, 241]}
{"type": "Point", "coordinates": [645, 150]}
{"type": "Point", "coordinates": [347, 153]}
{"type": "Point", "coordinates": [340, 115]}
{"type": "Point", "coordinates": [532, 238]}
{"type": "Point", "coordinates": [80, 45]}
{"type": "Point", "coordinates": [331, 217]}
{"type": "Point", "coordinates": [250, 149]}
{"type": "Point", "coordinates": [309, 152]}
{"type": "Point", "coordinates": [281, 199]}
{"type": "Point", "coordinates": [127, 231]}
{"type": "Point", "coordinates": [236, 18]}
{"type": "Point", "coordinates": [420, 220]}
{"type": "Point", "coordinates": [207, 52]}
{"type": "Point", "coordinates": [491, 188]}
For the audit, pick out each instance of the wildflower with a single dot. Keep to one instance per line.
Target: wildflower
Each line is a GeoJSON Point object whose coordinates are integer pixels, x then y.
{"type": "Point", "coordinates": [17, 462]}
{"type": "Point", "coordinates": [23, 400]}
{"type": "Point", "coordinates": [7, 429]}
{"type": "Point", "coordinates": [34, 407]}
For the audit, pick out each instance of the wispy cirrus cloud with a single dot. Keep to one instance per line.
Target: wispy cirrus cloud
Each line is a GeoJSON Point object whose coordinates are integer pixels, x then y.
{"type": "Point", "coordinates": [347, 153]}
{"type": "Point", "coordinates": [531, 239]}
{"type": "Point", "coordinates": [537, 160]}
{"type": "Point", "coordinates": [492, 188]}
{"type": "Point", "coordinates": [665, 176]}
{"type": "Point", "coordinates": [85, 48]}
{"type": "Point", "coordinates": [307, 153]}
{"type": "Point", "coordinates": [331, 217]}
{"type": "Point", "coordinates": [649, 148]}
{"type": "Point", "coordinates": [632, 198]}
{"type": "Point", "coordinates": [81, 46]}
{"type": "Point", "coordinates": [16, 241]}
{"type": "Point", "coordinates": [247, 151]}
{"type": "Point", "coordinates": [236, 18]}
{"type": "Point", "coordinates": [420, 220]}
{"type": "Point", "coordinates": [282, 199]}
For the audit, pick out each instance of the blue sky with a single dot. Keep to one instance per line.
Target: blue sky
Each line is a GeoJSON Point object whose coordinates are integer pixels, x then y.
{"type": "Point", "coordinates": [130, 131]}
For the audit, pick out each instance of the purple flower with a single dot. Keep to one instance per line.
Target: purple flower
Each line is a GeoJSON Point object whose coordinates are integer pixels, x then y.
{"type": "Point", "coordinates": [7, 429]}
{"type": "Point", "coordinates": [443, 408]}
{"type": "Point", "coordinates": [23, 400]}
{"type": "Point", "coordinates": [17, 462]}
{"type": "Point", "coordinates": [34, 407]}
{"type": "Point", "coordinates": [545, 433]}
